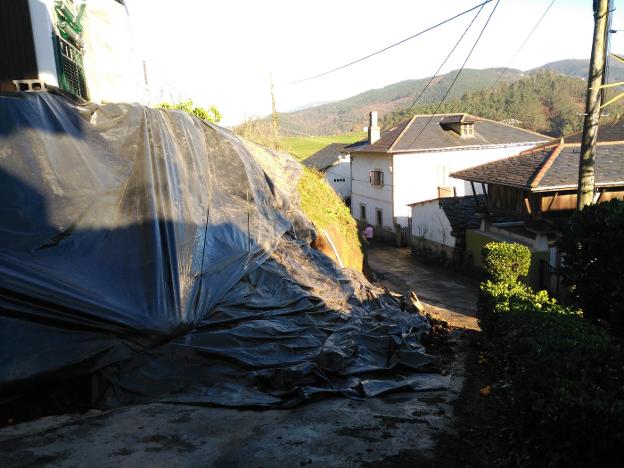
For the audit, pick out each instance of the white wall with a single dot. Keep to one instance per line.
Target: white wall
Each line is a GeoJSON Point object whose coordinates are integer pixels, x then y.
{"type": "Point", "coordinates": [339, 177]}
{"type": "Point", "coordinates": [363, 193]}
{"type": "Point", "coordinates": [430, 222]}
{"type": "Point", "coordinates": [112, 69]}
{"type": "Point", "coordinates": [41, 14]}
{"type": "Point", "coordinates": [417, 176]}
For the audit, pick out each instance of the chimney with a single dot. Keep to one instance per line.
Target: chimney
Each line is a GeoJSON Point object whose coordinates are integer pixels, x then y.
{"type": "Point", "coordinates": [373, 129]}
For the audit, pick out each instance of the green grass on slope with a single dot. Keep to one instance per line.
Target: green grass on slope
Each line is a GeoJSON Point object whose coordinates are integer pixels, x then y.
{"type": "Point", "coordinates": [303, 146]}
{"type": "Point", "coordinates": [327, 211]}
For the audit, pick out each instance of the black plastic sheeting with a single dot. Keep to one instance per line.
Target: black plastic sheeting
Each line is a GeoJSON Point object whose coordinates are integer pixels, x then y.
{"type": "Point", "coordinates": [169, 260]}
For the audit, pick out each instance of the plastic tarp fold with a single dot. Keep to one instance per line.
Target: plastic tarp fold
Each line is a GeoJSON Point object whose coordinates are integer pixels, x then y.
{"type": "Point", "coordinates": [168, 259]}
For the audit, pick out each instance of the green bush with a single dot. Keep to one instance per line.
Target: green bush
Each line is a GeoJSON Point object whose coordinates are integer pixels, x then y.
{"type": "Point", "coordinates": [592, 247]}
{"type": "Point", "coordinates": [564, 379]}
{"type": "Point", "coordinates": [505, 261]}
{"type": "Point", "coordinates": [210, 115]}
{"type": "Point", "coordinates": [567, 386]}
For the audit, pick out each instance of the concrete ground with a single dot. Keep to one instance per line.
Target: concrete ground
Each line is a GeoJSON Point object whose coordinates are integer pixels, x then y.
{"type": "Point", "coordinates": [331, 432]}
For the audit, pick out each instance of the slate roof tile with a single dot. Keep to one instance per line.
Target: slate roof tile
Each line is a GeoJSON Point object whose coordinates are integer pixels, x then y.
{"type": "Point", "coordinates": [325, 157]}
{"type": "Point", "coordinates": [424, 132]}
{"type": "Point", "coordinates": [548, 168]}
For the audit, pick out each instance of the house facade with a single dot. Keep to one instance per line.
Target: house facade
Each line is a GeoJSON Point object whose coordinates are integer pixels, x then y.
{"type": "Point", "coordinates": [334, 162]}
{"type": "Point", "coordinates": [438, 226]}
{"type": "Point", "coordinates": [412, 161]}
{"type": "Point", "coordinates": [530, 197]}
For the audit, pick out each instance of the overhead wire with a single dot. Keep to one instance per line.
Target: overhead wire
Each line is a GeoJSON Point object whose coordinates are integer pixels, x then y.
{"type": "Point", "coordinates": [487, 22]}
{"type": "Point", "coordinates": [535, 26]}
{"type": "Point", "coordinates": [413, 36]}
{"type": "Point", "coordinates": [435, 75]}
{"type": "Point", "coordinates": [319, 138]}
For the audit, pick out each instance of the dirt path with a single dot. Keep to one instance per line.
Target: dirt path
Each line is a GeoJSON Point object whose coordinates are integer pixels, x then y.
{"type": "Point", "coordinates": [399, 429]}
{"type": "Point", "coordinates": [449, 295]}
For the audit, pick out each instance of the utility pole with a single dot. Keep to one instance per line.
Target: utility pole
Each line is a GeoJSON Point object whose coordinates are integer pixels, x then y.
{"type": "Point", "coordinates": [274, 117]}
{"type": "Point", "coordinates": [586, 183]}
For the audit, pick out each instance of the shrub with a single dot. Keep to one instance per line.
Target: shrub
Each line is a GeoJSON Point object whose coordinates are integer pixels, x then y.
{"type": "Point", "coordinates": [210, 115]}
{"type": "Point", "coordinates": [505, 261]}
{"type": "Point", "coordinates": [565, 396]}
{"type": "Point", "coordinates": [567, 386]}
{"type": "Point", "coordinates": [593, 260]}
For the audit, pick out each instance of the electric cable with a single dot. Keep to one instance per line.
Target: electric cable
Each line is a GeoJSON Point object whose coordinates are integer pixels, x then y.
{"type": "Point", "coordinates": [446, 59]}
{"type": "Point", "coordinates": [341, 67]}
{"type": "Point", "coordinates": [487, 22]}
{"type": "Point", "coordinates": [506, 69]}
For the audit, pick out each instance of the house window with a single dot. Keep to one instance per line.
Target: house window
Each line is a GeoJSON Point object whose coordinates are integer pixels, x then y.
{"type": "Point", "coordinates": [376, 178]}
{"type": "Point", "coordinates": [363, 212]}
{"type": "Point", "coordinates": [467, 130]}
{"type": "Point", "coordinates": [379, 217]}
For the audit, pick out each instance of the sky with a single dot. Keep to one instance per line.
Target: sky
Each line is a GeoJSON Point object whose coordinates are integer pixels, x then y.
{"type": "Point", "coordinates": [224, 53]}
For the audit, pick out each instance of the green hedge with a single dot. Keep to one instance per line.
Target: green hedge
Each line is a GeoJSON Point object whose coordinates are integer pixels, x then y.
{"type": "Point", "coordinates": [592, 246]}
{"type": "Point", "coordinates": [566, 375]}
{"type": "Point", "coordinates": [505, 261]}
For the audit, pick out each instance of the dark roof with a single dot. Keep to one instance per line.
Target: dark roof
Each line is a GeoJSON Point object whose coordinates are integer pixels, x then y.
{"type": "Point", "coordinates": [424, 133]}
{"type": "Point", "coordinates": [456, 118]}
{"type": "Point", "coordinates": [355, 146]}
{"type": "Point", "coordinates": [607, 132]}
{"type": "Point", "coordinates": [386, 139]}
{"type": "Point", "coordinates": [325, 157]}
{"type": "Point", "coordinates": [549, 167]}
{"type": "Point", "coordinates": [461, 212]}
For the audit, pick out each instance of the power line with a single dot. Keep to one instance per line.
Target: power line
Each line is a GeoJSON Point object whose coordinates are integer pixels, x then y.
{"type": "Point", "coordinates": [506, 69]}
{"type": "Point", "coordinates": [320, 138]}
{"type": "Point", "coordinates": [388, 47]}
{"type": "Point", "coordinates": [487, 22]}
{"type": "Point", "coordinates": [446, 59]}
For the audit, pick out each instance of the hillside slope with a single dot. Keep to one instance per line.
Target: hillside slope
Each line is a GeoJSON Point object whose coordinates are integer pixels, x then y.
{"type": "Point", "coordinates": [544, 101]}
{"type": "Point", "coordinates": [351, 114]}
{"type": "Point", "coordinates": [580, 67]}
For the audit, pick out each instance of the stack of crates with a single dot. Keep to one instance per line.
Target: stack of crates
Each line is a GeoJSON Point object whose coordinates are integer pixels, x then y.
{"type": "Point", "coordinates": [70, 47]}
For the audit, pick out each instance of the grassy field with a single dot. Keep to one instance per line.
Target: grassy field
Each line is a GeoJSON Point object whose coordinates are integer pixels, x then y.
{"type": "Point", "coordinates": [303, 146]}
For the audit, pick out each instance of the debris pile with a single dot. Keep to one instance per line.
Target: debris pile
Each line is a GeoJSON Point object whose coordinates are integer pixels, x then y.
{"type": "Point", "coordinates": [168, 260]}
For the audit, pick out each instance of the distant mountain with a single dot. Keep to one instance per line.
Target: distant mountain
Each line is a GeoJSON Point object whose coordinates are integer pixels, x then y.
{"type": "Point", "coordinates": [352, 113]}
{"type": "Point", "coordinates": [308, 106]}
{"type": "Point", "coordinates": [580, 68]}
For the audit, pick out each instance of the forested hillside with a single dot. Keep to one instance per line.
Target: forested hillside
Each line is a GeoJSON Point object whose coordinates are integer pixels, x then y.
{"type": "Point", "coordinates": [580, 67]}
{"type": "Point", "coordinates": [558, 116]}
{"type": "Point", "coordinates": [544, 101]}
{"type": "Point", "coordinates": [351, 114]}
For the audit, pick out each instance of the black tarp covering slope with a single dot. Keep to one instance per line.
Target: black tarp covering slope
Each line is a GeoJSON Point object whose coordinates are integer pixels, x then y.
{"type": "Point", "coordinates": [164, 256]}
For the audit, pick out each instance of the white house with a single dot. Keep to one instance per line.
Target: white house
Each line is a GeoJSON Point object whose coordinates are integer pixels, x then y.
{"type": "Point", "coordinates": [335, 162]}
{"type": "Point", "coordinates": [439, 226]}
{"type": "Point", "coordinates": [411, 162]}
